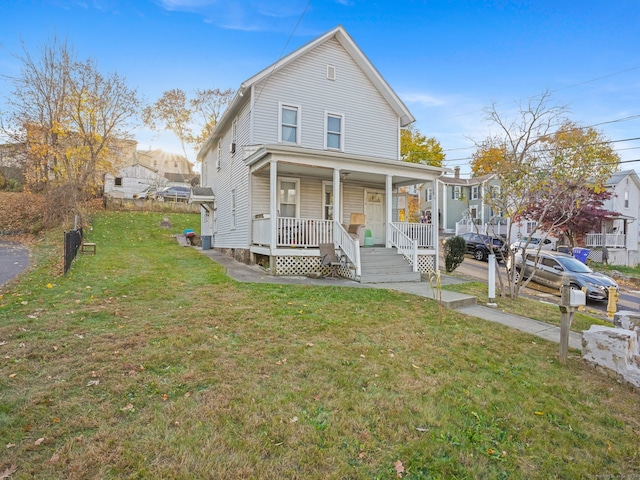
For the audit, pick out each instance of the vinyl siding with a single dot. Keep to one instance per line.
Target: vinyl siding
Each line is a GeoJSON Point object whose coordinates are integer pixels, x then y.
{"type": "Point", "coordinates": [370, 124]}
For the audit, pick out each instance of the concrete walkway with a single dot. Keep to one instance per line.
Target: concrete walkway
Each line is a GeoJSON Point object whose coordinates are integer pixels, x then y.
{"type": "Point", "coordinates": [462, 303]}
{"type": "Point", "coordinates": [14, 258]}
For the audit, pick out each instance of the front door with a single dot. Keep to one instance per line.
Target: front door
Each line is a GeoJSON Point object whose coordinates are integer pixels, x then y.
{"type": "Point", "coordinates": [374, 209]}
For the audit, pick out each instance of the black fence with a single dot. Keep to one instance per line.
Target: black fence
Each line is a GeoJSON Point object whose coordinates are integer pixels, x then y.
{"type": "Point", "coordinates": [72, 243]}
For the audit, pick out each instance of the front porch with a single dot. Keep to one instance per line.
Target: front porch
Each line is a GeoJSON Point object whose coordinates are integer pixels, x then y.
{"type": "Point", "coordinates": [292, 246]}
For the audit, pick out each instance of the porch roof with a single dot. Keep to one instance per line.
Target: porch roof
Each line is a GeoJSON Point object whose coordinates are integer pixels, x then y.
{"type": "Point", "coordinates": [321, 163]}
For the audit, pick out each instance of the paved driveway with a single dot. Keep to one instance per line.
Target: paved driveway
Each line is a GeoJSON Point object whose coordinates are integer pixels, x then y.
{"type": "Point", "coordinates": [14, 258]}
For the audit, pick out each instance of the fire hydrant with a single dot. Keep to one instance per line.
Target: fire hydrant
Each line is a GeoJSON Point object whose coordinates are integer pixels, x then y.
{"type": "Point", "coordinates": [612, 305]}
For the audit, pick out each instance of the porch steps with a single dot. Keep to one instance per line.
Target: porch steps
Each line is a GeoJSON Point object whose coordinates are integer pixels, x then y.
{"type": "Point", "coordinates": [385, 265]}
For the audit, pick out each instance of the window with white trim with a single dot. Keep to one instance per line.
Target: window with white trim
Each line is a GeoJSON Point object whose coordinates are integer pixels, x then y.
{"type": "Point", "coordinates": [474, 192]}
{"type": "Point", "coordinates": [455, 193]}
{"type": "Point", "coordinates": [288, 196]}
{"type": "Point", "coordinates": [327, 201]}
{"type": "Point", "coordinates": [626, 199]}
{"type": "Point", "coordinates": [234, 136]}
{"type": "Point", "coordinates": [289, 124]}
{"type": "Point", "coordinates": [531, 226]}
{"type": "Point", "coordinates": [233, 209]}
{"type": "Point", "coordinates": [331, 72]}
{"type": "Point", "coordinates": [334, 126]}
{"type": "Point", "coordinates": [219, 157]}
{"type": "Point", "coordinates": [428, 194]}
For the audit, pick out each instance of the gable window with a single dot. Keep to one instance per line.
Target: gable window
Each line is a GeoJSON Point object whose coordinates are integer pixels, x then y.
{"type": "Point", "coordinates": [495, 191]}
{"type": "Point", "coordinates": [289, 124]}
{"type": "Point", "coordinates": [219, 157]}
{"type": "Point", "coordinates": [474, 192]}
{"type": "Point", "coordinates": [331, 72]}
{"type": "Point", "coordinates": [334, 128]}
{"type": "Point", "coordinates": [233, 209]}
{"type": "Point", "coordinates": [118, 181]}
{"type": "Point", "coordinates": [626, 199]}
{"type": "Point", "coordinates": [288, 193]}
{"type": "Point", "coordinates": [455, 193]}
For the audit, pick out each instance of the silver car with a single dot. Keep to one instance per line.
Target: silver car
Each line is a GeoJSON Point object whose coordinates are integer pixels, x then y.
{"type": "Point", "coordinates": [553, 267]}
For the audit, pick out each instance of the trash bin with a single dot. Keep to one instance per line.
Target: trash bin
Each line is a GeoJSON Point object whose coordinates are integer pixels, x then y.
{"type": "Point", "coordinates": [581, 254]}
{"type": "Point", "coordinates": [206, 242]}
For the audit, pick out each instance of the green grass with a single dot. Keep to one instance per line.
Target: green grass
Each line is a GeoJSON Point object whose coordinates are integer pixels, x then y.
{"type": "Point", "coordinates": [529, 308]}
{"type": "Point", "coordinates": [146, 361]}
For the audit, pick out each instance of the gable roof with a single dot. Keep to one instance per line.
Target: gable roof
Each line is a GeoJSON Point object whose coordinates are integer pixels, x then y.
{"type": "Point", "coordinates": [339, 34]}
{"type": "Point", "coordinates": [618, 177]}
{"type": "Point", "coordinates": [467, 181]}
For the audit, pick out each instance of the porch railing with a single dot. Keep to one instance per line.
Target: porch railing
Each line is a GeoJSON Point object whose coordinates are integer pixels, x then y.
{"type": "Point", "coordinates": [491, 229]}
{"type": "Point", "coordinates": [405, 245]}
{"type": "Point", "coordinates": [293, 232]}
{"type": "Point", "coordinates": [348, 245]}
{"type": "Point", "coordinates": [420, 232]}
{"type": "Point", "coordinates": [609, 240]}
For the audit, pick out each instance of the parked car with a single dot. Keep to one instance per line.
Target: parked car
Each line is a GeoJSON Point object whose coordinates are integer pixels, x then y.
{"type": "Point", "coordinates": [533, 243]}
{"type": "Point", "coordinates": [176, 194]}
{"type": "Point", "coordinates": [477, 245]}
{"type": "Point", "coordinates": [147, 193]}
{"type": "Point", "coordinates": [552, 267]}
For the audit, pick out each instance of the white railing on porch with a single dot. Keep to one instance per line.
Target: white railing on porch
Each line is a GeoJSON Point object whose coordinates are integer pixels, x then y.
{"type": "Point", "coordinates": [609, 240]}
{"type": "Point", "coordinates": [293, 232]}
{"type": "Point", "coordinates": [405, 245]}
{"type": "Point", "coordinates": [349, 245]}
{"type": "Point", "coordinates": [493, 230]}
{"type": "Point", "coordinates": [420, 232]}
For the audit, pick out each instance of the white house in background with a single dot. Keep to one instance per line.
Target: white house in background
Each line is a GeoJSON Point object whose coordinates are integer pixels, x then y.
{"type": "Point", "coordinates": [147, 168]}
{"type": "Point", "coordinates": [307, 145]}
{"type": "Point", "coordinates": [619, 234]}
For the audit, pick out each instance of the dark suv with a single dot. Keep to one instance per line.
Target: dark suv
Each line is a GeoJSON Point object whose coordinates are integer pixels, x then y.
{"type": "Point", "coordinates": [176, 194]}
{"type": "Point", "coordinates": [478, 246]}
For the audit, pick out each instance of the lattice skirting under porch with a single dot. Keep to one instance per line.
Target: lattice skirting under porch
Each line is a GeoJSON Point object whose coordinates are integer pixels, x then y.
{"type": "Point", "coordinates": [426, 263]}
{"type": "Point", "coordinates": [306, 265]}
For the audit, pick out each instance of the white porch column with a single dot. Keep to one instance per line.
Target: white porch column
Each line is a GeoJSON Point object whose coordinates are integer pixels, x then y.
{"type": "Point", "coordinates": [435, 225]}
{"type": "Point", "coordinates": [337, 201]}
{"type": "Point", "coordinates": [273, 202]}
{"type": "Point", "coordinates": [389, 210]}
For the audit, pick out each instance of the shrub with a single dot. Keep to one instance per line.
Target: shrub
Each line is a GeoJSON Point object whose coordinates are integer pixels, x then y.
{"type": "Point", "coordinates": [454, 251]}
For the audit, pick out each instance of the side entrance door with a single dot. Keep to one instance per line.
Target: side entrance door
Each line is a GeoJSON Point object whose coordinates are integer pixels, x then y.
{"type": "Point", "coordinates": [374, 210]}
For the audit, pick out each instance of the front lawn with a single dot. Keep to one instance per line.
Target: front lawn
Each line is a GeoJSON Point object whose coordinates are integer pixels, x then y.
{"type": "Point", "coordinates": [146, 361]}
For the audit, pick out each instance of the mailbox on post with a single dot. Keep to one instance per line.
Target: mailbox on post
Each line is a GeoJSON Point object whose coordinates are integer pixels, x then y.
{"type": "Point", "coordinates": [577, 298]}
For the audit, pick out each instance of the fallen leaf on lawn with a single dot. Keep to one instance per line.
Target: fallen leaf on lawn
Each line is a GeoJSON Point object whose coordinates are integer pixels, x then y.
{"type": "Point", "coordinates": [49, 285]}
{"type": "Point", "coordinates": [414, 366]}
{"type": "Point", "coordinates": [24, 302]}
{"type": "Point", "coordinates": [187, 395]}
{"type": "Point", "coordinates": [309, 344]}
{"type": "Point", "coordinates": [164, 397]}
{"type": "Point", "coordinates": [3, 343]}
{"type": "Point", "coordinates": [128, 408]}
{"type": "Point", "coordinates": [8, 471]}
{"type": "Point", "coordinates": [79, 336]}
{"type": "Point", "coordinates": [399, 468]}
{"type": "Point", "coordinates": [54, 458]}
{"type": "Point", "coordinates": [539, 413]}
{"type": "Point", "coordinates": [39, 441]}
{"type": "Point", "coordinates": [92, 383]}
{"type": "Point", "coordinates": [26, 428]}
{"type": "Point", "coordinates": [12, 375]}
{"type": "Point", "coordinates": [11, 445]}
{"type": "Point", "coordinates": [422, 429]}
{"type": "Point", "coordinates": [293, 420]}
{"type": "Point", "coordinates": [55, 349]}
{"type": "Point", "coordinates": [362, 455]}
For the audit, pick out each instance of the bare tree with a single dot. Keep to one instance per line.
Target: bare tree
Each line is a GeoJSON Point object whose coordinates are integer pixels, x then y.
{"type": "Point", "coordinates": [182, 116]}
{"type": "Point", "coordinates": [71, 120]}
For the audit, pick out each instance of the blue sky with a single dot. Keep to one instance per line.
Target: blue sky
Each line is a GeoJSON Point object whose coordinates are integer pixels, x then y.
{"type": "Point", "coordinates": [447, 60]}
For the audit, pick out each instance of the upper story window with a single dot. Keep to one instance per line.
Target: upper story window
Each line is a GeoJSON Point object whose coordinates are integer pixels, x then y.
{"type": "Point", "coordinates": [219, 157]}
{"type": "Point", "coordinates": [234, 136]}
{"type": "Point", "coordinates": [474, 192]}
{"type": "Point", "coordinates": [334, 129]}
{"type": "Point", "coordinates": [428, 194]}
{"type": "Point", "coordinates": [455, 193]}
{"type": "Point", "coordinates": [289, 124]}
{"type": "Point", "coordinates": [331, 72]}
{"type": "Point", "coordinates": [626, 199]}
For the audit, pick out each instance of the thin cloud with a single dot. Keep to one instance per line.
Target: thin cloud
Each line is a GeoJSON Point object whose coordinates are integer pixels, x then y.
{"type": "Point", "coordinates": [423, 99]}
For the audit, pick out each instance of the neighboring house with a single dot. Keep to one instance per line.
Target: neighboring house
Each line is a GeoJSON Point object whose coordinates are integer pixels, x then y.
{"type": "Point", "coordinates": [462, 205]}
{"type": "Point", "coordinates": [619, 234]}
{"type": "Point", "coordinates": [151, 168]}
{"type": "Point", "coordinates": [132, 180]}
{"type": "Point", "coordinates": [307, 145]}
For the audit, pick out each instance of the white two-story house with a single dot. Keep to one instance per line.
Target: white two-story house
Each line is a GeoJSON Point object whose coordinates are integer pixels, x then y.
{"type": "Point", "coordinates": [307, 147]}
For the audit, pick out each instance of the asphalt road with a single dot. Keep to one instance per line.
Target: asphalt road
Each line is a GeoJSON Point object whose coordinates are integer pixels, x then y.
{"type": "Point", "coordinates": [14, 258]}
{"type": "Point", "coordinates": [629, 298]}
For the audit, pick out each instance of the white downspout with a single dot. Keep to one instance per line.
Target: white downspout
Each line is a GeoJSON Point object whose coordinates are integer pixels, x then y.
{"type": "Point", "coordinates": [389, 210]}
{"type": "Point", "coordinates": [434, 222]}
{"type": "Point", "coordinates": [273, 204]}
